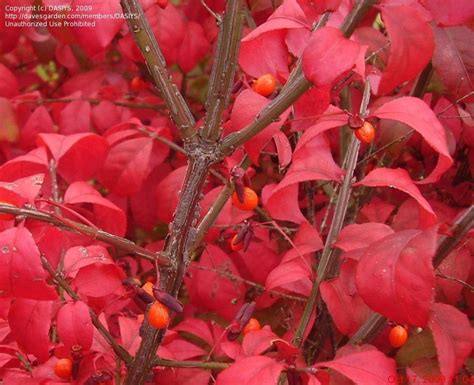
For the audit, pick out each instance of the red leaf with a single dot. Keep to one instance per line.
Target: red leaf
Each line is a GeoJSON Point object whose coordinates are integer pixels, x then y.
{"type": "Point", "coordinates": [395, 178]}
{"type": "Point", "coordinates": [283, 149]}
{"type": "Point", "coordinates": [358, 236]}
{"type": "Point", "coordinates": [75, 118]}
{"type": "Point", "coordinates": [345, 305]}
{"type": "Point", "coordinates": [78, 156]}
{"type": "Point", "coordinates": [257, 370]}
{"type": "Point", "coordinates": [328, 55]}
{"type": "Point", "coordinates": [454, 338]}
{"type": "Point", "coordinates": [415, 113]}
{"type": "Point", "coordinates": [411, 45]}
{"type": "Point", "coordinates": [39, 122]}
{"type": "Point", "coordinates": [457, 265]}
{"type": "Point", "coordinates": [312, 160]}
{"type": "Point", "coordinates": [127, 165]}
{"type": "Point", "coordinates": [286, 275]}
{"type": "Point", "coordinates": [269, 40]}
{"type": "Point", "coordinates": [166, 194]}
{"type": "Point", "coordinates": [130, 333]}
{"type": "Point", "coordinates": [104, 213]}
{"type": "Point", "coordinates": [307, 241]}
{"type": "Point", "coordinates": [80, 256]}
{"type": "Point", "coordinates": [272, 198]}
{"type": "Point", "coordinates": [9, 85]}
{"type": "Point", "coordinates": [21, 273]}
{"type": "Point", "coordinates": [247, 105]}
{"type": "Point", "coordinates": [257, 342]}
{"type": "Point", "coordinates": [184, 350]}
{"type": "Point", "coordinates": [450, 12]}
{"type": "Point", "coordinates": [30, 321]}
{"type": "Point", "coordinates": [395, 277]}
{"type": "Point", "coordinates": [193, 47]}
{"type": "Point", "coordinates": [365, 367]}
{"type": "Point", "coordinates": [376, 210]}
{"type": "Point", "coordinates": [34, 162]}
{"type": "Point", "coordinates": [453, 58]}
{"type": "Point", "coordinates": [74, 325]}
{"type": "Point", "coordinates": [98, 280]}
{"type": "Point", "coordinates": [197, 327]}
{"type": "Point", "coordinates": [211, 291]}
{"type": "Point", "coordinates": [309, 107]}
{"type": "Point", "coordinates": [182, 376]}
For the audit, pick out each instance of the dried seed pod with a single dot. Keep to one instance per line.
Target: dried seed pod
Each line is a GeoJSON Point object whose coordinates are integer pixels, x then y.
{"type": "Point", "coordinates": [168, 300]}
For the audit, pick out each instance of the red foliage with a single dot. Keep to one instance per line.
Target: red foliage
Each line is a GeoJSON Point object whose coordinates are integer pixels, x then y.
{"type": "Point", "coordinates": [89, 154]}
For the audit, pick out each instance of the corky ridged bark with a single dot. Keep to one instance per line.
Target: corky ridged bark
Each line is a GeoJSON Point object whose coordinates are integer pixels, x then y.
{"type": "Point", "coordinates": [202, 151]}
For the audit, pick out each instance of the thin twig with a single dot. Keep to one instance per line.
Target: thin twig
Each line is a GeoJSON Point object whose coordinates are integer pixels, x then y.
{"type": "Point", "coordinates": [464, 283]}
{"type": "Point", "coordinates": [76, 227]}
{"type": "Point", "coordinates": [119, 350]}
{"type": "Point", "coordinates": [155, 61]}
{"type": "Point", "coordinates": [145, 106]}
{"type": "Point", "coordinates": [328, 258]}
{"type": "Point", "coordinates": [234, 278]}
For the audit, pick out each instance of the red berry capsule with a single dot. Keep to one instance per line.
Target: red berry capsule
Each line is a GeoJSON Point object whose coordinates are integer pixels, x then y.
{"type": "Point", "coordinates": [398, 336]}
{"type": "Point", "coordinates": [366, 133]}
{"type": "Point", "coordinates": [265, 85]}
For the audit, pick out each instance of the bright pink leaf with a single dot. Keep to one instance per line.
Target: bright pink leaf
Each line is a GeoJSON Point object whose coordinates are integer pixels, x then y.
{"type": "Point", "coordinates": [104, 213]}
{"type": "Point", "coordinates": [377, 210]}
{"type": "Point", "coordinates": [395, 178]}
{"type": "Point", "coordinates": [453, 58]}
{"type": "Point", "coordinates": [328, 55]}
{"type": "Point", "coordinates": [130, 333]}
{"type": "Point", "coordinates": [30, 321]}
{"type": "Point", "coordinates": [450, 12]}
{"type": "Point", "coordinates": [257, 370]}
{"type": "Point", "coordinates": [197, 327]}
{"type": "Point", "coordinates": [395, 277]}
{"type": "Point", "coordinates": [21, 273]}
{"type": "Point", "coordinates": [454, 338]}
{"type": "Point", "coordinates": [247, 105]}
{"type": "Point", "coordinates": [365, 367]}
{"type": "Point", "coordinates": [345, 305]}
{"type": "Point", "coordinates": [411, 45]}
{"type": "Point", "coordinates": [416, 113]}
{"type": "Point", "coordinates": [78, 156]}
{"type": "Point", "coordinates": [357, 236]}
{"type": "Point", "coordinates": [74, 325]}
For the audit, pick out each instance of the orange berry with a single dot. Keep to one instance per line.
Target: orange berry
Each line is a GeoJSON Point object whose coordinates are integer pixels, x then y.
{"type": "Point", "coordinates": [366, 133]}
{"type": "Point", "coordinates": [265, 85]}
{"type": "Point", "coordinates": [63, 368]}
{"type": "Point", "coordinates": [158, 315]}
{"type": "Point", "coordinates": [252, 326]}
{"type": "Point", "coordinates": [236, 246]}
{"type": "Point", "coordinates": [250, 200]}
{"type": "Point", "coordinates": [398, 336]}
{"type": "Point", "coordinates": [148, 287]}
{"type": "Point", "coordinates": [138, 84]}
